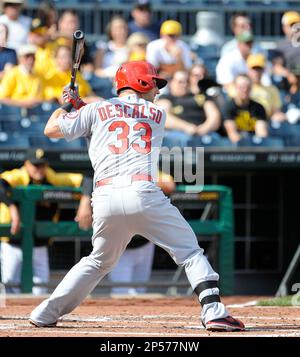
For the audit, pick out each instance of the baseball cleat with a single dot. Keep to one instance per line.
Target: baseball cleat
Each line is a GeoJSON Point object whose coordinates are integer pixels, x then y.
{"type": "Point", "coordinates": [226, 324]}
{"type": "Point", "coordinates": [38, 324]}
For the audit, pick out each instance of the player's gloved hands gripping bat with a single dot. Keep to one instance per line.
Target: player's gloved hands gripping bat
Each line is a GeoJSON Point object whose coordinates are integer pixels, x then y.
{"type": "Point", "coordinates": [71, 95]}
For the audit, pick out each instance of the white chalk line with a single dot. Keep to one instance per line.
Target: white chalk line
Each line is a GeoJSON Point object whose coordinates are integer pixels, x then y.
{"type": "Point", "coordinates": [246, 304]}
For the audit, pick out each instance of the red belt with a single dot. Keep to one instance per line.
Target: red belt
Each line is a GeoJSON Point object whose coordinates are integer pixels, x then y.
{"type": "Point", "coordinates": [137, 177]}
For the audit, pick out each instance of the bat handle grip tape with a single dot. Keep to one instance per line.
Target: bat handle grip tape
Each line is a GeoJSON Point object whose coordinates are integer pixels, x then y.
{"type": "Point", "coordinates": [67, 107]}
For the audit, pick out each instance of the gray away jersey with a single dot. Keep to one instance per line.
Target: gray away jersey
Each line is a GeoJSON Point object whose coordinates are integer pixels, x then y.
{"type": "Point", "coordinates": [124, 135]}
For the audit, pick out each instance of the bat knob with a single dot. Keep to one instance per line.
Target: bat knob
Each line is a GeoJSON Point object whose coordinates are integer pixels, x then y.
{"type": "Point", "coordinates": [78, 35]}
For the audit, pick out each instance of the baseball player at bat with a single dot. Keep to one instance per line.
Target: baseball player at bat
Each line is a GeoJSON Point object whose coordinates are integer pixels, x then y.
{"type": "Point", "coordinates": [125, 135]}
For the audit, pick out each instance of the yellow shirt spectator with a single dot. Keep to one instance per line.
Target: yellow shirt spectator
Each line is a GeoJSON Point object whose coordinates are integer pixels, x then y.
{"type": "Point", "coordinates": [56, 80]}
{"type": "Point", "coordinates": [60, 75]}
{"type": "Point", "coordinates": [21, 177]}
{"type": "Point", "coordinates": [44, 58]}
{"type": "Point", "coordinates": [268, 97]}
{"type": "Point", "coordinates": [19, 84]}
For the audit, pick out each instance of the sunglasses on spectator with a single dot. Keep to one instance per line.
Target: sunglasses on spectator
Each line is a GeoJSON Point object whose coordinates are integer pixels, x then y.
{"type": "Point", "coordinates": [258, 68]}
{"type": "Point", "coordinates": [173, 36]}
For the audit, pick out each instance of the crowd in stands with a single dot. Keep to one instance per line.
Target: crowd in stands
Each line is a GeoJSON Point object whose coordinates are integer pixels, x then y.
{"type": "Point", "coordinates": [220, 93]}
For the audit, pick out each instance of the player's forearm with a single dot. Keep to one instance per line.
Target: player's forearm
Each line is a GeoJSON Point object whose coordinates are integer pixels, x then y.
{"type": "Point", "coordinates": [52, 128]}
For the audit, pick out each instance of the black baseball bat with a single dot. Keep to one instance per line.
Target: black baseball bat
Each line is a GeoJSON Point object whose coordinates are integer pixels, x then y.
{"type": "Point", "coordinates": [77, 52]}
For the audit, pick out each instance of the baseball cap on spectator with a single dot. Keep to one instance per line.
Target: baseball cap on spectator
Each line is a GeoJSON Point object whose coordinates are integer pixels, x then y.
{"type": "Point", "coordinates": [26, 50]}
{"type": "Point", "coordinates": [36, 156]}
{"type": "Point", "coordinates": [143, 5]}
{"type": "Point", "coordinates": [38, 26]}
{"type": "Point", "coordinates": [171, 27]}
{"type": "Point", "coordinates": [290, 17]}
{"type": "Point", "coordinates": [256, 60]}
{"type": "Point", "coordinates": [246, 36]}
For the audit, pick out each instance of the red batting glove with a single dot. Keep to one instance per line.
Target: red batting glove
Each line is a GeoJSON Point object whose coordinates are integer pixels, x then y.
{"type": "Point", "coordinates": [72, 96]}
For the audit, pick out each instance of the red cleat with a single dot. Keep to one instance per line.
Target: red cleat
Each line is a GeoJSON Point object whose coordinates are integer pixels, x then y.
{"type": "Point", "coordinates": [225, 324]}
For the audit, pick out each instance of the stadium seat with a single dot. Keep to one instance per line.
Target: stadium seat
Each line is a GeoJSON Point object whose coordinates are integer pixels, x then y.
{"type": "Point", "coordinates": [254, 141]}
{"type": "Point", "coordinates": [101, 86]}
{"type": "Point", "coordinates": [23, 126]}
{"type": "Point", "coordinates": [8, 110]}
{"type": "Point", "coordinates": [289, 133]}
{"type": "Point", "coordinates": [44, 109]}
{"type": "Point", "coordinates": [13, 141]}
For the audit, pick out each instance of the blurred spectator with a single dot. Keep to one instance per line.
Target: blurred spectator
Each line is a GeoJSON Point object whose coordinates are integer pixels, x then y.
{"type": "Point", "coordinates": [137, 45]}
{"type": "Point", "coordinates": [48, 15]}
{"type": "Point", "coordinates": [18, 25]}
{"type": "Point", "coordinates": [234, 63]}
{"type": "Point", "coordinates": [20, 86]}
{"type": "Point", "coordinates": [244, 117]}
{"type": "Point", "coordinates": [35, 171]}
{"type": "Point", "coordinates": [197, 73]}
{"type": "Point", "coordinates": [239, 23]}
{"type": "Point", "coordinates": [189, 116]}
{"type": "Point", "coordinates": [110, 55]}
{"type": "Point", "coordinates": [290, 52]}
{"type": "Point", "coordinates": [59, 77]}
{"type": "Point", "coordinates": [279, 74]}
{"type": "Point", "coordinates": [169, 54]}
{"type": "Point", "coordinates": [142, 20]}
{"type": "Point", "coordinates": [209, 29]}
{"type": "Point", "coordinates": [39, 37]}
{"type": "Point", "coordinates": [68, 23]}
{"type": "Point", "coordinates": [267, 96]}
{"type": "Point", "coordinates": [201, 83]}
{"type": "Point", "coordinates": [8, 57]}
{"type": "Point", "coordinates": [292, 104]}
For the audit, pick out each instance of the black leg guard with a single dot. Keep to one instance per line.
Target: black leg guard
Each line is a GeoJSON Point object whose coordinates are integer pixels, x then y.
{"type": "Point", "coordinates": [210, 284]}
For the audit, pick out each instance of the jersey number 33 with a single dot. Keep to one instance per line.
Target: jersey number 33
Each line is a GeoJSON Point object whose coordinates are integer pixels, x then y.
{"type": "Point", "coordinates": [145, 131]}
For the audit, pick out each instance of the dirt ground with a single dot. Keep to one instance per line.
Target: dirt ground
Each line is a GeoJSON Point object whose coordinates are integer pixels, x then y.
{"type": "Point", "coordinates": [150, 316]}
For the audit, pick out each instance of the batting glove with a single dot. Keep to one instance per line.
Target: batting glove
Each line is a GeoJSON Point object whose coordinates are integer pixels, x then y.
{"type": "Point", "coordinates": [72, 96]}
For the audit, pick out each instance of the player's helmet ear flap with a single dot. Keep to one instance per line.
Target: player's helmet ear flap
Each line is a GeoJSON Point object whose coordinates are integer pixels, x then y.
{"type": "Point", "coordinates": [140, 76]}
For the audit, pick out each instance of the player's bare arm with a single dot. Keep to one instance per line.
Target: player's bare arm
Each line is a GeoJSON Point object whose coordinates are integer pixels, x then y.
{"type": "Point", "coordinates": [52, 129]}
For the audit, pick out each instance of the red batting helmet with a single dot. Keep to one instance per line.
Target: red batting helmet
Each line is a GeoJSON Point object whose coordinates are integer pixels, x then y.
{"type": "Point", "coordinates": [139, 76]}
